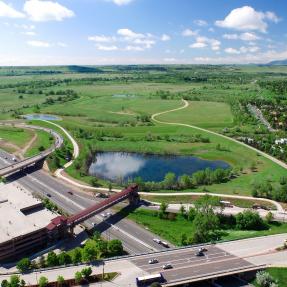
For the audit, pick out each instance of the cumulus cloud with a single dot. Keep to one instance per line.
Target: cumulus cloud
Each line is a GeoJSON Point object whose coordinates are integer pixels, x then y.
{"type": "Point", "coordinates": [8, 11]}
{"type": "Point", "coordinates": [189, 33]}
{"type": "Point", "coordinates": [200, 22]}
{"type": "Point", "coordinates": [126, 40]}
{"type": "Point", "coordinates": [42, 11]}
{"type": "Point", "coordinates": [165, 37]}
{"type": "Point", "coordinates": [102, 39]}
{"type": "Point", "coordinates": [247, 18]}
{"type": "Point", "coordinates": [242, 50]}
{"type": "Point", "coordinates": [197, 45]}
{"type": "Point", "coordinates": [247, 36]}
{"type": "Point", "coordinates": [202, 42]}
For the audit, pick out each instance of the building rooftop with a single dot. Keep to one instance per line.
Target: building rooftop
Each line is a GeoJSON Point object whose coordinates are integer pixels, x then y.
{"type": "Point", "coordinates": [20, 212]}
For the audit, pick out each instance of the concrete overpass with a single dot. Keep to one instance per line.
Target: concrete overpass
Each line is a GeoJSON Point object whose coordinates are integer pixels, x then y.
{"type": "Point", "coordinates": [37, 159]}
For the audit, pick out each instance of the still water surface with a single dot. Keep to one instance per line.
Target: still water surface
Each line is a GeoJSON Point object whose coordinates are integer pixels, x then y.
{"type": "Point", "coordinates": [119, 166]}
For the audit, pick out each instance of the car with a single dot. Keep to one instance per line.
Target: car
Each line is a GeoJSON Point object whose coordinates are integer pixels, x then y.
{"type": "Point", "coordinates": [202, 249]}
{"type": "Point", "coordinates": [49, 195]}
{"type": "Point", "coordinates": [199, 253]}
{"type": "Point", "coordinates": [14, 159]}
{"type": "Point", "coordinates": [167, 266]}
{"type": "Point", "coordinates": [157, 240]}
{"type": "Point", "coordinates": [153, 261]}
{"type": "Point", "coordinates": [103, 215]}
{"type": "Point", "coordinates": [165, 244]}
{"type": "Point", "coordinates": [70, 192]}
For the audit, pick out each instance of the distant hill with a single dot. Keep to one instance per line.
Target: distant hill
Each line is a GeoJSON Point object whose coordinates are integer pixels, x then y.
{"type": "Point", "coordinates": [278, 63]}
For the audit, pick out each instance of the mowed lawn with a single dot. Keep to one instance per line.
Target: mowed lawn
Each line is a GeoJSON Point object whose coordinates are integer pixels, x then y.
{"type": "Point", "coordinates": [202, 114]}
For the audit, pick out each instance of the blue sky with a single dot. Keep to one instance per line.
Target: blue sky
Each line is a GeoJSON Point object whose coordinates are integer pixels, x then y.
{"type": "Point", "coordinates": [59, 32]}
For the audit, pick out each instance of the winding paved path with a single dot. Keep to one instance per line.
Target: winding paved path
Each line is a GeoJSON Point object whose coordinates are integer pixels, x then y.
{"type": "Point", "coordinates": [59, 174]}
{"type": "Point", "coordinates": [186, 104]}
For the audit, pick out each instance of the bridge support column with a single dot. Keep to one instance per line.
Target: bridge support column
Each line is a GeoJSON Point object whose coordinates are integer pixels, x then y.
{"type": "Point", "coordinates": [134, 198]}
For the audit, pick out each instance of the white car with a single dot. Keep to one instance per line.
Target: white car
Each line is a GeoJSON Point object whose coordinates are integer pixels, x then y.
{"type": "Point", "coordinates": [153, 261]}
{"type": "Point", "coordinates": [165, 244]}
{"type": "Point", "coordinates": [157, 240]}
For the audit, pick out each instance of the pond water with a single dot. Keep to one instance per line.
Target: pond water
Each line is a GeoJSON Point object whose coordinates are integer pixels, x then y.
{"type": "Point", "coordinates": [42, 117]}
{"type": "Point", "coordinates": [119, 166]}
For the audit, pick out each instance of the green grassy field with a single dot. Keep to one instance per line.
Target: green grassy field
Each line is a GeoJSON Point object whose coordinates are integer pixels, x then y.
{"type": "Point", "coordinates": [112, 100]}
{"type": "Point", "coordinates": [202, 114]}
{"type": "Point", "coordinates": [16, 136]}
{"type": "Point", "coordinates": [43, 142]}
{"type": "Point", "coordinates": [172, 230]}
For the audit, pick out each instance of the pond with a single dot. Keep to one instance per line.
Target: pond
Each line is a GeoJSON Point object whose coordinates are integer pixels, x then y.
{"type": "Point", "coordinates": [42, 117]}
{"type": "Point", "coordinates": [120, 166]}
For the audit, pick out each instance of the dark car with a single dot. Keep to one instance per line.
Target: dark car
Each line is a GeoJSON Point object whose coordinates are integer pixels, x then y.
{"type": "Point", "coordinates": [199, 253]}
{"type": "Point", "coordinates": [49, 195]}
{"type": "Point", "coordinates": [70, 192]}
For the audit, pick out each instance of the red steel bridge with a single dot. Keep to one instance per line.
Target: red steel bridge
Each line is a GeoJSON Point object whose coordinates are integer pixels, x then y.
{"type": "Point", "coordinates": [61, 225]}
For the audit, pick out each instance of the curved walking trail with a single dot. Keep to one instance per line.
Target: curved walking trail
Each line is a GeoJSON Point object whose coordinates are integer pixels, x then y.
{"type": "Point", "coordinates": [186, 104]}
{"type": "Point", "coordinates": [69, 180]}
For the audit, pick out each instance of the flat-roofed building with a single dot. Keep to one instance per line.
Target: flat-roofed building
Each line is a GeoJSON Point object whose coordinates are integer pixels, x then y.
{"type": "Point", "coordinates": [23, 221]}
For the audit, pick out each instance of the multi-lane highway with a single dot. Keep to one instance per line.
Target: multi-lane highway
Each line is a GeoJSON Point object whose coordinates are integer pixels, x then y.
{"type": "Point", "coordinates": [135, 238]}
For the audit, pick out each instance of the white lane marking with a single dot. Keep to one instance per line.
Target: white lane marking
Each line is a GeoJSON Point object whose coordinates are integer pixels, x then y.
{"type": "Point", "coordinates": [98, 217]}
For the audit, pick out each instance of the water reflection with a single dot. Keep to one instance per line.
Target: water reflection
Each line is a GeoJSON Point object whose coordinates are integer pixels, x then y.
{"type": "Point", "coordinates": [41, 117]}
{"type": "Point", "coordinates": [119, 166]}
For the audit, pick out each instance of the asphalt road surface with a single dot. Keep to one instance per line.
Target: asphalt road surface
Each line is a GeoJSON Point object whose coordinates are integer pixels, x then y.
{"type": "Point", "coordinates": [186, 265]}
{"type": "Point", "coordinates": [135, 238]}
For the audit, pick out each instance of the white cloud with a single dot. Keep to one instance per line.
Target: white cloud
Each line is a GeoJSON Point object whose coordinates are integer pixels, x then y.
{"type": "Point", "coordinates": [121, 2]}
{"type": "Point", "coordinates": [8, 11]}
{"type": "Point", "coordinates": [39, 44]}
{"type": "Point", "coordinates": [42, 11]}
{"type": "Point", "coordinates": [200, 22]}
{"type": "Point", "coordinates": [242, 50]}
{"type": "Point", "coordinates": [198, 45]}
{"type": "Point", "coordinates": [272, 17]}
{"type": "Point", "coordinates": [132, 41]}
{"type": "Point", "coordinates": [189, 32]}
{"type": "Point", "coordinates": [106, 48]}
{"type": "Point", "coordinates": [247, 18]}
{"type": "Point", "coordinates": [247, 36]}
{"type": "Point", "coordinates": [44, 44]}
{"type": "Point", "coordinates": [165, 37]}
{"type": "Point", "coordinates": [202, 42]}
{"type": "Point", "coordinates": [232, 51]}
{"type": "Point", "coordinates": [102, 39]}
{"type": "Point", "coordinates": [127, 33]}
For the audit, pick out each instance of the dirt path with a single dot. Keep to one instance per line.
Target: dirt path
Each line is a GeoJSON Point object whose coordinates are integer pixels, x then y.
{"type": "Point", "coordinates": [28, 145]}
